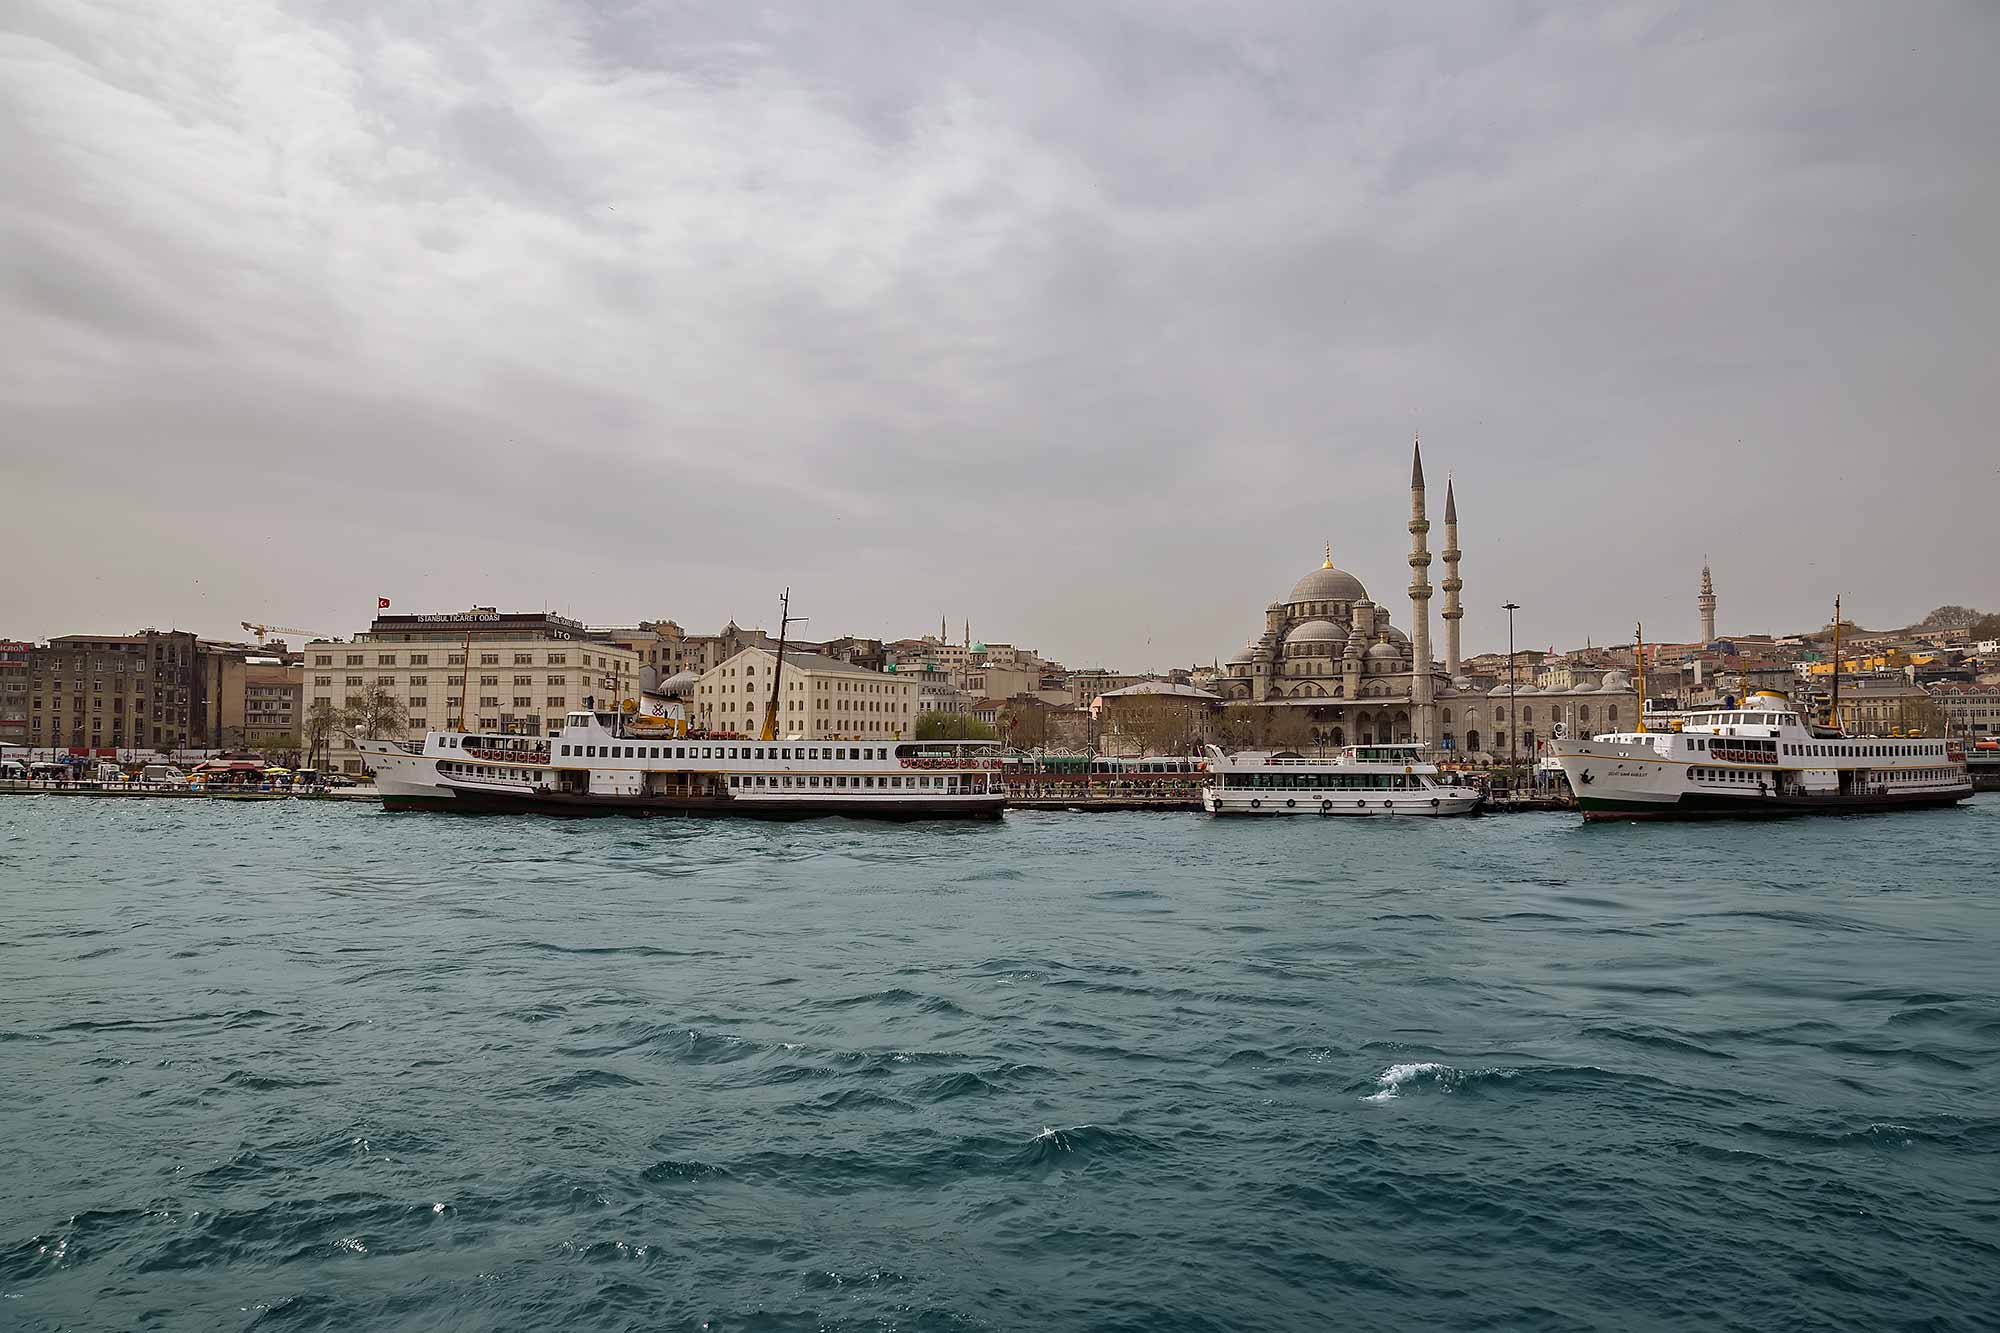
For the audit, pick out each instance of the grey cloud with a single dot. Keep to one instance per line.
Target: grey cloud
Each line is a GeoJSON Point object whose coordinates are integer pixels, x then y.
{"type": "Point", "coordinates": [1089, 322]}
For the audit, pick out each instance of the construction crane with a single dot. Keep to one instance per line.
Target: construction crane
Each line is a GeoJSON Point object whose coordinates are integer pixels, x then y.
{"type": "Point", "coordinates": [263, 631]}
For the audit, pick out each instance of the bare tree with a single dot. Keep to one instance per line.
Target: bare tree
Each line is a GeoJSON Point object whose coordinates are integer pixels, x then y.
{"type": "Point", "coordinates": [321, 720]}
{"type": "Point", "coordinates": [374, 714]}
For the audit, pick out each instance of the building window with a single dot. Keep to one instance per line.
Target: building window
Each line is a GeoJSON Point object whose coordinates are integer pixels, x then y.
{"type": "Point", "coordinates": [489, 680]}
{"type": "Point", "coordinates": [354, 680]}
{"type": "Point", "coordinates": [323, 659]}
{"type": "Point", "coordinates": [385, 659]}
{"type": "Point", "coordinates": [489, 701]}
{"type": "Point", "coordinates": [524, 659]}
{"type": "Point", "coordinates": [523, 701]}
{"type": "Point", "coordinates": [356, 659]}
{"type": "Point", "coordinates": [489, 659]}
{"type": "Point", "coordinates": [524, 680]}
{"type": "Point", "coordinates": [557, 701]}
{"type": "Point", "coordinates": [420, 659]}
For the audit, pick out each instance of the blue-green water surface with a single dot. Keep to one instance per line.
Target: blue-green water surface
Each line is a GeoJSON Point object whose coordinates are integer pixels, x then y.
{"type": "Point", "coordinates": [312, 1066]}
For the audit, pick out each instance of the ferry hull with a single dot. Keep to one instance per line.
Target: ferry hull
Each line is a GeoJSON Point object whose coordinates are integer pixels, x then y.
{"type": "Point", "coordinates": [1716, 805]}
{"type": "Point", "coordinates": [1414, 805]}
{"type": "Point", "coordinates": [463, 802]}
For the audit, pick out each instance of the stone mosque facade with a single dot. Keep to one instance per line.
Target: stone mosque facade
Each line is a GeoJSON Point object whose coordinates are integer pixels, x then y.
{"type": "Point", "coordinates": [1330, 651]}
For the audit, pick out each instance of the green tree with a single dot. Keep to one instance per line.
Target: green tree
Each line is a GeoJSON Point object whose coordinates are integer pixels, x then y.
{"type": "Point", "coordinates": [951, 727]}
{"type": "Point", "coordinates": [1985, 627]}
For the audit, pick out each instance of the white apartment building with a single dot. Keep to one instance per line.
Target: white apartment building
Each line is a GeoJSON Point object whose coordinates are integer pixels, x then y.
{"type": "Point", "coordinates": [527, 670]}
{"type": "Point", "coordinates": [819, 698]}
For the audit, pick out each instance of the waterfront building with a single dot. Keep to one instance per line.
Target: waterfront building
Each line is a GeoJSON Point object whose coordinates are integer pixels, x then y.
{"type": "Point", "coordinates": [527, 670]}
{"type": "Point", "coordinates": [261, 703]}
{"type": "Point", "coordinates": [100, 693]}
{"type": "Point", "coordinates": [819, 698]}
{"type": "Point", "coordinates": [1890, 706]}
{"type": "Point", "coordinates": [14, 655]}
{"type": "Point", "coordinates": [1517, 720]}
{"type": "Point", "coordinates": [1154, 717]}
{"type": "Point", "coordinates": [1970, 708]}
{"type": "Point", "coordinates": [935, 691]}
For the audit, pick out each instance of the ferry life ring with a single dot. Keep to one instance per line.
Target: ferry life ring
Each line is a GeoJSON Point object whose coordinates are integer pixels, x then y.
{"type": "Point", "coordinates": [1326, 807]}
{"type": "Point", "coordinates": [1255, 804]}
{"type": "Point", "coordinates": [1435, 803]}
{"type": "Point", "coordinates": [1361, 805]}
{"type": "Point", "coordinates": [1290, 803]}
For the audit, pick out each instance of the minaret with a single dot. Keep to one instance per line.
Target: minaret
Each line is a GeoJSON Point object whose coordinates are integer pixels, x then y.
{"type": "Point", "coordinates": [1453, 613]}
{"type": "Point", "coordinates": [1707, 603]}
{"type": "Point", "coordinates": [1421, 730]}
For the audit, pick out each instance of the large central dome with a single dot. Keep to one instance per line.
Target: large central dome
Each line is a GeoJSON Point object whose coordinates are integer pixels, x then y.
{"type": "Point", "coordinates": [1327, 584]}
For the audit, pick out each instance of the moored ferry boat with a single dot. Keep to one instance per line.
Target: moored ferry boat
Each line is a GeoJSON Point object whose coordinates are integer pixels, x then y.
{"type": "Point", "coordinates": [1758, 760]}
{"type": "Point", "coordinates": [600, 763]}
{"type": "Point", "coordinates": [1361, 780]}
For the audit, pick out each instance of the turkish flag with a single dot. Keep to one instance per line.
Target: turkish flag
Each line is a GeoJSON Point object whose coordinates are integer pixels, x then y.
{"type": "Point", "coordinates": [381, 604]}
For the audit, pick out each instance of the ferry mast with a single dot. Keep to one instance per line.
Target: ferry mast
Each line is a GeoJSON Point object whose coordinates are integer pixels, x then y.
{"type": "Point", "coordinates": [785, 619]}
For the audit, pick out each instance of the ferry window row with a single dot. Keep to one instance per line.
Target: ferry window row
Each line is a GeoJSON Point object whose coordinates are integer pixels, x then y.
{"type": "Point", "coordinates": [486, 771]}
{"type": "Point", "coordinates": [1850, 750]}
{"type": "Point", "coordinates": [1324, 781]}
{"type": "Point", "coordinates": [856, 782]}
{"type": "Point", "coordinates": [780, 752]}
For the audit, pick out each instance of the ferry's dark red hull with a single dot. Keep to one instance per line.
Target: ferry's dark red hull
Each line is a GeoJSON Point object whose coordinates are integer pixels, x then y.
{"type": "Point", "coordinates": [580, 805]}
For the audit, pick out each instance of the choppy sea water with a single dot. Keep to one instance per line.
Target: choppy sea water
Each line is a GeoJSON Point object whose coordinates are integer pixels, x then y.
{"type": "Point", "coordinates": [304, 1066]}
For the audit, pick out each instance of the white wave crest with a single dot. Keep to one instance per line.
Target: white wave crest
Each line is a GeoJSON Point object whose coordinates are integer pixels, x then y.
{"type": "Point", "coordinates": [1395, 1076]}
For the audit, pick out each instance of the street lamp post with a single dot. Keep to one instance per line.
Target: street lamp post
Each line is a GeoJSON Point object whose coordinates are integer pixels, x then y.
{"type": "Point", "coordinates": [1513, 709]}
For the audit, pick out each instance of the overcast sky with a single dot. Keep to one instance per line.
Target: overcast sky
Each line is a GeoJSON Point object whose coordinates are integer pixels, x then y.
{"type": "Point", "coordinates": [1090, 323]}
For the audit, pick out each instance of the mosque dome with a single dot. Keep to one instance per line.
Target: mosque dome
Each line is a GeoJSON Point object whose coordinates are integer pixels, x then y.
{"type": "Point", "coordinates": [679, 685]}
{"type": "Point", "coordinates": [1383, 652]}
{"type": "Point", "coordinates": [1615, 682]}
{"type": "Point", "coordinates": [1249, 651]}
{"type": "Point", "coordinates": [1316, 631]}
{"type": "Point", "coordinates": [1396, 635]}
{"type": "Point", "coordinates": [1327, 584]}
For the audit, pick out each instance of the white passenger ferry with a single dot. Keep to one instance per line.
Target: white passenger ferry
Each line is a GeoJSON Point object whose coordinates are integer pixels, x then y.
{"type": "Point", "coordinates": [1362, 780]}
{"type": "Point", "coordinates": [1761, 759]}
{"type": "Point", "coordinates": [600, 763]}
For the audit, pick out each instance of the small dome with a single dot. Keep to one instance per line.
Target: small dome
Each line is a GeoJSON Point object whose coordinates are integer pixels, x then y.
{"type": "Point", "coordinates": [1582, 689]}
{"type": "Point", "coordinates": [1316, 631]}
{"type": "Point", "coordinates": [1461, 682]}
{"type": "Point", "coordinates": [1396, 634]}
{"type": "Point", "coordinates": [1526, 690]}
{"type": "Point", "coordinates": [1383, 652]}
{"type": "Point", "coordinates": [1249, 650]}
{"type": "Point", "coordinates": [681, 683]}
{"type": "Point", "coordinates": [1615, 682]}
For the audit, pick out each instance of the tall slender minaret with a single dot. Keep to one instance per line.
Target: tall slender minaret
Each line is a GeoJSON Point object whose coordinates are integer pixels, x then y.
{"type": "Point", "coordinates": [1707, 603]}
{"type": "Point", "coordinates": [1453, 613]}
{"type": "Point", "coordinates": [1421, 730]}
